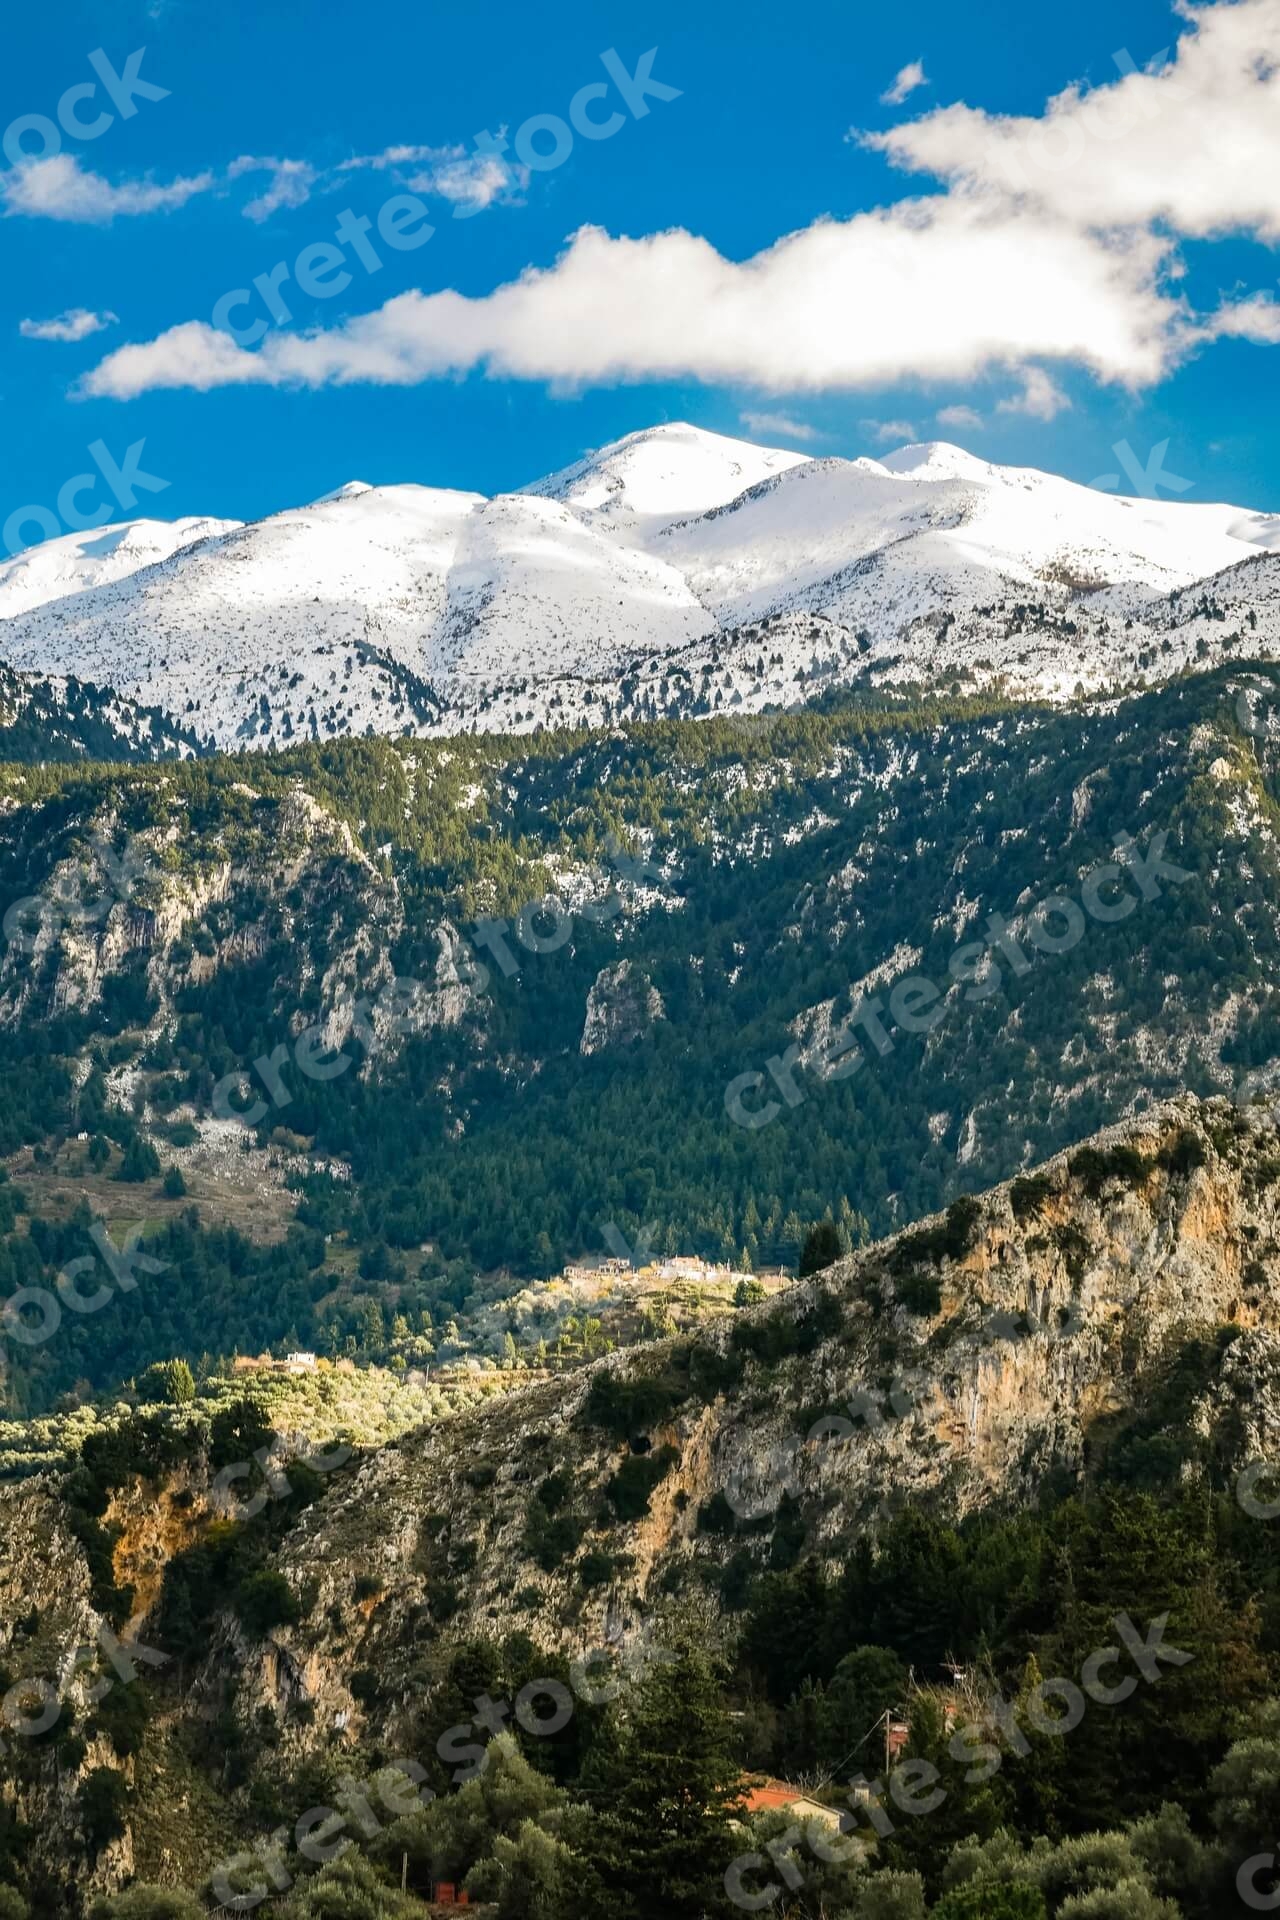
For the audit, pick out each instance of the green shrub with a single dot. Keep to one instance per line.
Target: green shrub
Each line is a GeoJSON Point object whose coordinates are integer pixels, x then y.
{"type": "Point", "coordinates": [950, 1240]}
{"type": "Point", "coordinates": [821, 1248]}
{"type": "Point", "coordinates": [551, 1539]}
{"type": "Point", "coordinates": [1028, 1195]}
{"type": "Point", "coordinates": [597, 1568]}
{"type": "Point", "coordinates": [1016, 1901]}
{"type": "Point", "coordinates": [554, 1491]}
{"type": "Point", "coordinates": [716, 1516]}
{"type": "Point", "coordinates": [1096, 1168]}
{"type": "Point", "coordinates": [266, 1600]}
{"type": "Point", "coordinates": [780, 1335]}
{"type": "Point", "coordinates": [625, 1406]}
{"type": "Point", "coordinates": [632, 1486]}
{"type": "Point", "coordinates": [141, 1162]}
{"type": "Point", "coordinates": [1183, 1154]}
{"type": "Point", "coordinates": [920, 1292]}
{"type": "Point", "coordinates": [123, 1714]}
{"type": "Point", "coordinates": [104, 1797]}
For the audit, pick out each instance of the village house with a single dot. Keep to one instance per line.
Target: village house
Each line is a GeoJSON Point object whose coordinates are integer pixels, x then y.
{"type": "Point", "coordinates": [763, 1795]}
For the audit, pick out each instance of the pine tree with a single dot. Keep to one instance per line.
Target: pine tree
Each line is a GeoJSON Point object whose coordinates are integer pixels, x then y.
{"type": "Point", "coordinates": [821, 1247]}
{"type": "Point", "coordinates": [662, 1778]}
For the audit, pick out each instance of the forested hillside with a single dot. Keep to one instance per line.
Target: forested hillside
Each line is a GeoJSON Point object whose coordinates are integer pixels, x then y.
{"type": "Point", "coordinates": [514, 1001]}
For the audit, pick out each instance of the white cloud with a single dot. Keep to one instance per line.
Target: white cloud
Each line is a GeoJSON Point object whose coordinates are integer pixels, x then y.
{"type": "Point", "coordinates": [888, 433]}
{"type": "Point", "coordinates": [1195, 144]}
{"type": "Point", "coordinates": [843, 304]}
{"type": "Point", "coordinates": [192, 355]}
{"type": "Point", "coordinates": [959, 417]}
{"type": "Point", "coordinates": [59, 189]}
{"type": "Point", "coordinates": [909, 79]}
{"type": "Point", "coordinates": [290, 185]}
{"type": "Point", "coordinates": [77, 323]}
{"type": "Point", "coordinates": [399, 157]}
{"type": "Point", "coordinates": [474, 181]}
{"type": "Point", "coordinates": [781, 425]}
{"type": "Point", "coordinates": [1041, 397]}
{"type": "Point", "coordinates": [466, 178]}
{"type": "Point", "coordinates": [1256, 319]}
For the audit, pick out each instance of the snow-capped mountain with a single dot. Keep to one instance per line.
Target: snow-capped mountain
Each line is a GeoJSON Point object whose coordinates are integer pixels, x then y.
{"type": "Point", "coordinates": [80, 561]}
{"type": "Point", "coordinates": [675, 571]}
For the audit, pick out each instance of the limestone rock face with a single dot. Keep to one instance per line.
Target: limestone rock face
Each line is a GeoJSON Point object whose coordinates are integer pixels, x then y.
{"type": "Point", "coordinates": [622, 1006]}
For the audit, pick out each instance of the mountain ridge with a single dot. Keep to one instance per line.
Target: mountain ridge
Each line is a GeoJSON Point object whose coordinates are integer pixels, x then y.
{"type": "Point", "coordinates": [674, 572]}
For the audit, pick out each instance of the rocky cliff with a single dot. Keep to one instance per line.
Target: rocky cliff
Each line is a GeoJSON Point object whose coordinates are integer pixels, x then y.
{"type": "Point", "coordinates": [1022, 1335]}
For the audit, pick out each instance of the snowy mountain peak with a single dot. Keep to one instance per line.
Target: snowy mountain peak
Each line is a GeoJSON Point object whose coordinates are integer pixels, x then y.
{"type": "Point", "coordinates": [347, 492]}
{"type": "Point", "coordinates": [938, 460]}
{"type": "Point", "coordinates": [79, 562]}
{"type": "Point", "coordinates": [667, 472]}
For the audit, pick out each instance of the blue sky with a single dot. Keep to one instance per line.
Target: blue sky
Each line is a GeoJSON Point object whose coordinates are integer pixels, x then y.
{"type": "Point", "coordinates": [756, 147]}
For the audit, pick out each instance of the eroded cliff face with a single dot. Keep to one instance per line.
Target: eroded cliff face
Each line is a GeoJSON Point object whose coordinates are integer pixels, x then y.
{"type": "Point", "coordinates": [960, 1362]}
{"type": "Point", "coordinates": [957, 1363]}
{"type": "Point", "coordinates": [190, 902]}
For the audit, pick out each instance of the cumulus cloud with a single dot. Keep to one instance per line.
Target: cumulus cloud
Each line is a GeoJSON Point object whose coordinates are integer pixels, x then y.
{"type": "Point", "coordinates": [1194, 143]}
{"type": "Point", "coordinates": [908, 80]}
{"type": "Point", "coordinates": [290, 185]}
{"type": "Point", "coordinates": [77, 323]}
{"type": "Point", "coordinates": [1256, 319]}
{"type": "Point", "coordinates": [888, 433]}
{"type": "Point", "coordinates": [778, 425]}
{"type": "Point", "coordinates": [1041, 397]}
{"type": "Point", "coordinates": [59, 188]}
{"type": "Point", "coordinates": [842, 304]}
{"type": "Point", "coordinates": [961, 418]}
{"type": "Point", "coordinates": [192, 355]}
